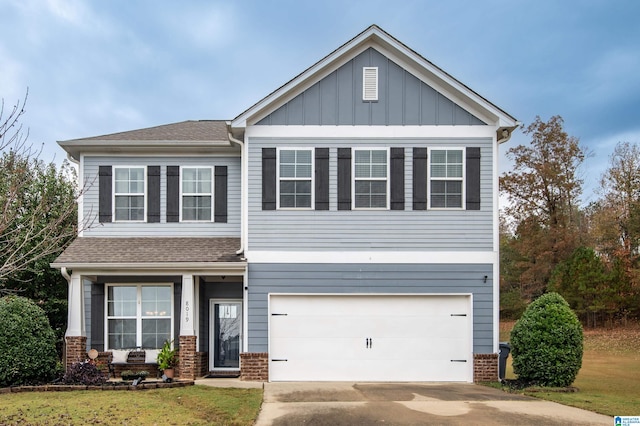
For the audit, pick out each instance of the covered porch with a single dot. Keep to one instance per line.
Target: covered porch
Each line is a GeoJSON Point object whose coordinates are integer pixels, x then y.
{"type": "Point", "coordinates": [128, 293]}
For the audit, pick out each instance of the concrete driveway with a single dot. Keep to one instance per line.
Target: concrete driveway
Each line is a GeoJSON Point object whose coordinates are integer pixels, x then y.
{"type": "Point", "coordinates": [410, 404]}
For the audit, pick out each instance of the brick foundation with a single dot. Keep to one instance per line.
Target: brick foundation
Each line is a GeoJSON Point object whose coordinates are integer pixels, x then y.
{"type": "Point", "coordinates": [75, 349]}
{"type": "Point", "coordinates": [187, 358]}
{"type": "Point", "coordinates": [254, 366]}
{"type": "Point", "coordinates": [485, 368]}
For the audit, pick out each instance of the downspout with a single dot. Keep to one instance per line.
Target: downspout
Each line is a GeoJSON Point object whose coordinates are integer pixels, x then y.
{"type": "Point", "coordinates": [65, 274]}
{"type": "Point", "coordinates": [242, 192]}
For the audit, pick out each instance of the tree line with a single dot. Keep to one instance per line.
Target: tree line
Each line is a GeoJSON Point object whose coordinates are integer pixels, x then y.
{"type": "Point", "coordinates": [550, 241]}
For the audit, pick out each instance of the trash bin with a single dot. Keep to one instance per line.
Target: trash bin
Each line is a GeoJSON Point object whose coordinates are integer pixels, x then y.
{"type": "Point", "coordinates": [505, 348]}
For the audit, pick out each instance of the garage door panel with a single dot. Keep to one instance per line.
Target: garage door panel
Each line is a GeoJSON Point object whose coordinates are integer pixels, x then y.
{"type": "Point", "coordinates": [370, 338]}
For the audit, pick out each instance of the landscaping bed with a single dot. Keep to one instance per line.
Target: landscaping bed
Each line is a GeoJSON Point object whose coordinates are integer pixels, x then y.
{"type": "Point", "coordinates": [109, 386]}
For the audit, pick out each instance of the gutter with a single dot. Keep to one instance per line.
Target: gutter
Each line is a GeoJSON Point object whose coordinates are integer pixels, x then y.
{"type": "Point", "coordinates": [243, 194]}
{"type": "Point", "coordinates": [504, 133]}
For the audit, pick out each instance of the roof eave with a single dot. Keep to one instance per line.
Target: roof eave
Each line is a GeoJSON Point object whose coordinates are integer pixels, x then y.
{"type": "Point", "coordinates": [160, 267]}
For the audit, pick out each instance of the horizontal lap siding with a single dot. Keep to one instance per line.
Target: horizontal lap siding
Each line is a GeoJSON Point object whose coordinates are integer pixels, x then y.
{"type": "Point", "coordinates": [450, 230]}
{"type": "Point", "coordinates": [371, 278]}
{"type": "Point", "coordinates": [162, 229]}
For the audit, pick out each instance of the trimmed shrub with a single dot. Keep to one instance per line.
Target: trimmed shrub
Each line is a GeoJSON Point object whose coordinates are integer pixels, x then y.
{"type": "Point", "coordinates": [546, 343]}
{"type": "Point", "coordinates": [84, 373]}
{"type": "Point", "coordinates": [27, 343]}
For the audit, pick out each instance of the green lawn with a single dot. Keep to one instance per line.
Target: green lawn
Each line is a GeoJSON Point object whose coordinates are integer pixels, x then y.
{"type": "Point", "coordinates": [192, 405]}
{"type": "Point", "coordinates": [609, 380]}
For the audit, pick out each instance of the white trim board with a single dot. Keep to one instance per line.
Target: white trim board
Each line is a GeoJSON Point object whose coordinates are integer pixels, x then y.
{"type": "Point", "coordinates": [398, 257]}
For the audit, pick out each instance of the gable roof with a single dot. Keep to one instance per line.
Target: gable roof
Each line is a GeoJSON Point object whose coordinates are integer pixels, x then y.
{"type": "Point", "coordinates": [192, 133]}
{"type": "Point", "coordinates": [409, 59]}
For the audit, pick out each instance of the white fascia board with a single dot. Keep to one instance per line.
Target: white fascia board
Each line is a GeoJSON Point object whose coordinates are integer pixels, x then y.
{"type": "Point", "coordinates": [396, 257]}
{"type": "Point", "coordinates": [166, 268]}
{"type": "Point", "coordinates": [370, 132]}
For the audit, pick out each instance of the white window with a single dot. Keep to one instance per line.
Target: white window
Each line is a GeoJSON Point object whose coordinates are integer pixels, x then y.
{"type": "Point", "coordinates": [371, 183]}
{"type": "Point", "coordinates": [446, 177]}
{"type": "Point", "coordinates": [129, 194]}
{"type": "Point", "coordinates": [295, 178]}
{"type": "Point", "coordinates": [370, 83]}
{"type": "Point", "coordinates": [139, 315]}
{"type": "Point", "coordinates": [197, 193]}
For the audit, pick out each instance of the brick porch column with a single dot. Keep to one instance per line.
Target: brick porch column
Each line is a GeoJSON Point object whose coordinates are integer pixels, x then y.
{"type": "Point", "coordinates": [75, 350]}
{"type": "Point", "coordinates": [188, 362]}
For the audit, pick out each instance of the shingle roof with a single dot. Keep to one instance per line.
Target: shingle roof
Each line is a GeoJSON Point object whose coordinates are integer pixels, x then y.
{"type": "Point", "coordinates": [203, 130]}
{"type": "Point", "coordinates": [150, 250]}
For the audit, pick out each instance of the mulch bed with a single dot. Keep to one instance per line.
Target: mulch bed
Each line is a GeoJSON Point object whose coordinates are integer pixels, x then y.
{"type": "Point", "coordinates": [109, 386]}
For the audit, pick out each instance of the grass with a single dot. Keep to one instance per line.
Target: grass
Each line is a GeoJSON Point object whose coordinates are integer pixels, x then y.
{"type": "Point", "coordinates": [609, 380]}
{"type": "Point", "coordinates": [192, 405]}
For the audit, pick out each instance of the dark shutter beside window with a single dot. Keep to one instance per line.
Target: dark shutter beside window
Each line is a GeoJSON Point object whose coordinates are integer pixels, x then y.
{"type": "Point", "coordinates": [173, 193]}
{"type": "Point", "coordinates": [153, 196]}
{"type": "Point", "coordinates": [268, 178]}
{"type": "Point", "coordinates": [473, 179]}
{"type": "Point", "coordinates": [344, 178]}
{"type": "Point", "coordinates": [220, 194]}
{"type": "Point", "coordinates": [97, 316]}
{"type": "Point", "coordinates": [177, 306]}
{"type": "Point", "coordinates": [397, 178]}
{"type": "Point", "coordinates": [105, 194]}
{"type": "Point", "coordinates": [419, 178]}
{"type": "Point", "coordinates": [322, 178]}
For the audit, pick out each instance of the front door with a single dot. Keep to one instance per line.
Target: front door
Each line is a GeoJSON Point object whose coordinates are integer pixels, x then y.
{"type": "Point", "coordinates": [226, 334]}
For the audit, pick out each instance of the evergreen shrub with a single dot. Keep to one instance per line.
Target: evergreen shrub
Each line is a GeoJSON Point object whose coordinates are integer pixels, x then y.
{"type": "Point", "coordinates": [27, 343]}
{"type": "Point", "coordinates": [547, 343]}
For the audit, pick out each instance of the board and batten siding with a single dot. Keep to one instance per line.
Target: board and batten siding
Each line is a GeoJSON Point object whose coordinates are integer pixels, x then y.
{"type": "Point", "coordinates": [371, 279]}
{"type": "Point", "coordinates": [333, 229]}
{"type": "Point", "coordinates": [161, 229]}
{"type": "Point", "coordinates": [403, 99]}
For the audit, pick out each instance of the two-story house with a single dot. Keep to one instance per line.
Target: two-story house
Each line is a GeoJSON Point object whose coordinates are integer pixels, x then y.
{"type": "Point", "coordinates": [345, 227]}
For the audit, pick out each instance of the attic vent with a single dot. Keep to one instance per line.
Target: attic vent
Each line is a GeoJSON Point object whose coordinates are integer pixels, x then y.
{"type": "Point", "coordinates": [370, 83]}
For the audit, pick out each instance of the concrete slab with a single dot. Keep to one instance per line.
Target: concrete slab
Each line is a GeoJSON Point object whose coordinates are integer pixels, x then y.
{"type": "Point", "coordinates": [342, 403]}
{"type": "Point", "coordinates": [229, 383]}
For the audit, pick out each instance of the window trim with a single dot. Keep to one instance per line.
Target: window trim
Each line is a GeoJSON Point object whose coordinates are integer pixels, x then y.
{"type": "Point", "coordinates": [462, 179]}
{"type": "Point", "coordinates": [138, 317]}
{"type": "Point", "coordinates": [312, 178]}
{"type": "Point", "coordinates": [354, 179]}
{"type": "Point", "coordinates": [116, 194]}
{"type": "Point", "coordinates": [211, 194]}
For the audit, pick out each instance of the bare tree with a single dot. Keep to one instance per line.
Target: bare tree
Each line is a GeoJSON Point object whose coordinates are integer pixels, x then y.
{"type": "Point", "coordinates": [37, 203]}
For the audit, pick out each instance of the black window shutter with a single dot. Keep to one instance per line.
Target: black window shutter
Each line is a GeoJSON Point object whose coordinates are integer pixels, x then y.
{"type": "Point", "coordinates": [344, 178]}
{"type": "Point", "coordinates": [153, 196]}
{"type": "Point", "coordinates": [473, 179]}
{"type": "Point", "coordinates": [220, 194]}
{"type": "Point", "coordinates": [397, 178]}
{"type": "Point", "coordinates": [105, 194]}
{"type": "Point", "coordinates": [97, 316]}
{"type": "Point", "coordinates": [177, 306]}
{"type": "Point", "coordinates": [322, 178]}
{"type": "Point", "coordinates": [419, 178]}
{"type": "Point", "coordinates": [173, 193]}
{"type": "Point", "coordinates": [268, 178]}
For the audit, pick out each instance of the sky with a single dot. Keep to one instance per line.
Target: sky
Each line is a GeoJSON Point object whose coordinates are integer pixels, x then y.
{"type": "Point", "coordinates": [99, 67]}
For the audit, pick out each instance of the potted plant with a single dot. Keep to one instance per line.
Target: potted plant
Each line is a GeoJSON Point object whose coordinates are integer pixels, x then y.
{"type": "Point", "coordinates": [167, 359]}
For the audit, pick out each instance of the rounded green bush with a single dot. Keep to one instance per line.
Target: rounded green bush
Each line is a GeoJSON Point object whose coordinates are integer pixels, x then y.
{"type": "Point", "coordinates": [27, 343]}
{"type": "Point", "coordinates": [546, 343]}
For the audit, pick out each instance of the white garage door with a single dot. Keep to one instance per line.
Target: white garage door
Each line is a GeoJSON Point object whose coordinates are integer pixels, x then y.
{"type": "Point", "coordinates": [370, 338]}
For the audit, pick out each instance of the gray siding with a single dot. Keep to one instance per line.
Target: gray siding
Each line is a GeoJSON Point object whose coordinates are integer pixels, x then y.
{"type": "Point", "coordinates": [371, 278]}
{"type": "Point", "coordinates": [402, 99]}
{"type": "Point", "coordinates": [162, 229]}
{"type": "Point", "coordinates": [438, 230]}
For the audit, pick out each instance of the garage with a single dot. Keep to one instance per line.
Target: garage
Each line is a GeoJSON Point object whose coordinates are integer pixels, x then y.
{"type": "Point", "coordinates": [370, 338]}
